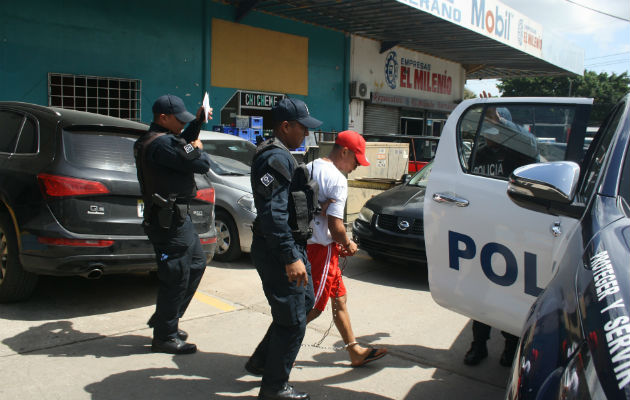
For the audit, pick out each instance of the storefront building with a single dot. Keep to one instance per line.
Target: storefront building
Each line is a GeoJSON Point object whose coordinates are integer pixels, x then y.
{"type": "Point", "coordinates": [117, 57]}
{"type": "Point", "coordinates": [400, 91]}
{"type": "Point", "coordinates": [376, 66]}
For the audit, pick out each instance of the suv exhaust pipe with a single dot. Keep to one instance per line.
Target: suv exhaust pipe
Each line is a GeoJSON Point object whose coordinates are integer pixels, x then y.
{"type": "Point", "coordinates": [95, 271]}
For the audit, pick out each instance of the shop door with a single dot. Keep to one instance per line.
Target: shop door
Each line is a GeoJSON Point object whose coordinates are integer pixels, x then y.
{"type": "Point", "coordinates": [434, 127]}
{"type": "Point", "coordinates": [381, 120]}
{"type": "Point", "coordinates": [411, 126]}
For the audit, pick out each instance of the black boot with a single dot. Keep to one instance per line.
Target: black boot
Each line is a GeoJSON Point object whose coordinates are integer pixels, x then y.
{"type": "Point", "coordinates": [286, 393]}
{"type": "Point", "coordinates": [253, 368]}
{"type": "Point", "coordinates": [172, 346]}
{"type": "Point", "coordinates": [478, 351]}
{"type": "Point", "coordinates": [508, 353]}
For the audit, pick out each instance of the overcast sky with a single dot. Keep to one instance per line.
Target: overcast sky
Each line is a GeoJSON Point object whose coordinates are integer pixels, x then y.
{"type": "Point", "coordinates": [605, 39]}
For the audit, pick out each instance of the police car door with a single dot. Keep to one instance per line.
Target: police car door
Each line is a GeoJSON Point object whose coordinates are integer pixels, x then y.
{"type": "Point", "coordinates": [488, 258]}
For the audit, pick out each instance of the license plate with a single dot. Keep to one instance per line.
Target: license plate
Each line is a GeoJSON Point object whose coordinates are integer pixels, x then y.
{"type": "Point", "coordinates": [140, 208]}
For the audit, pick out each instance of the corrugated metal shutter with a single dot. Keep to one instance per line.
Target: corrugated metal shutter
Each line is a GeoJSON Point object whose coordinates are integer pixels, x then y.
{"type": "Point", "coordinates": [380, 120]}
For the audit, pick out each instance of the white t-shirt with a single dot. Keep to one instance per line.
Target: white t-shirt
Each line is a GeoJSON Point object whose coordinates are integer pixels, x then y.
{"type": "Point", "coordinates": [332, 185]}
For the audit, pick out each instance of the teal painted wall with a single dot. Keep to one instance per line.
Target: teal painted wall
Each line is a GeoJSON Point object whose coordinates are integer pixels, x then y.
{"type": "Point", "coordinates": [166, 47]}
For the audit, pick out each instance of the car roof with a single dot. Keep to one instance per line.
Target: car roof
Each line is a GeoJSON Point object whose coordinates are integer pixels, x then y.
{"type": "Point", "coordinates": [75, 120]}
{"type": "Point", "coordinates": [212, 135]}
{"type": "Point", "coordinates": [384, 135]}
{"type": "Point", "coordinates": [526, 100]}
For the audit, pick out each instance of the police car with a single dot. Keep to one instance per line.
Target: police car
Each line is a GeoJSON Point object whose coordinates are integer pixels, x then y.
{"type": "Point", "coordinates": [539, 250]}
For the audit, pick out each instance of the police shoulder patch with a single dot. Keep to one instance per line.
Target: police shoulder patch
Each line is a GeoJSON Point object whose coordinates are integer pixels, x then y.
{"type": "Point", "coordinates": [189, 148]}
{"type": "Point", "coordinates": [267, 179]}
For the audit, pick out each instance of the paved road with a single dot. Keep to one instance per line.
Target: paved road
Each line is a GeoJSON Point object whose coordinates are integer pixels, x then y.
{"type": "Point", "coordinates": [80, 339]}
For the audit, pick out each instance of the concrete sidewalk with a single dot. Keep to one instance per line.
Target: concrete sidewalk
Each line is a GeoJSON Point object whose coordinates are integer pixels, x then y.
{"type": "Point", "coordinates": [88, 349]}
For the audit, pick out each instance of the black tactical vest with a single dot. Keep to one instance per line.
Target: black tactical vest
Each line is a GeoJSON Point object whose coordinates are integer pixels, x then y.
{"type": "Point", "coordinates": [163, 181]}
{"type": "Point", "coordinates": [303, 203]}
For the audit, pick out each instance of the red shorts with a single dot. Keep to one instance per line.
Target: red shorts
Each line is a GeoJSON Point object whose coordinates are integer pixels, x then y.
{"type": "Point", "coordinates": [326, 274]}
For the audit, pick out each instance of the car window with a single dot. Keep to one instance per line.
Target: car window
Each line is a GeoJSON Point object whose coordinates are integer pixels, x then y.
{"type": "Point", "coordinates": [227, 166]}
{"type": "Point", "coordinates": [237, 150]}
{"type": "Point", "coordinates": [10, 125]}
{"type": "Point", "coordinates": [102, 150]}
{"type": "Point", "coordinates": [624, 186]}
{"type": "Point", "coordinates": [494, 139]}
{"type": "Point", "coordinates": [596, 155]}
{"type": "Point", "coordinates": [28, 139]}
{"type": "Point", "coordinates": [421, 177]}
{"type": "Point", "coordinates": [468, 126]}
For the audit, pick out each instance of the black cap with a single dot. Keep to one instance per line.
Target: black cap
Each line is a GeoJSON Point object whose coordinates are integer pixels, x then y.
{"type": "Point", "coordinates": [171, 104]}
{"type": "Point", "coordinates": [289, 109]}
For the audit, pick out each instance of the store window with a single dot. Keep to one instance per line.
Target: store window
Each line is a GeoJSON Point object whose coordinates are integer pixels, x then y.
{"type": "Point", "coordinates": [411, 126]}
{"type": "Point", "coordinates": [116, 97]}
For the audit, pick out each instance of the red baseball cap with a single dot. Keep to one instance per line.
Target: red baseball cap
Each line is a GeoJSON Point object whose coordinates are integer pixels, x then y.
{"type": "Point", "coordinates": [355, 143]}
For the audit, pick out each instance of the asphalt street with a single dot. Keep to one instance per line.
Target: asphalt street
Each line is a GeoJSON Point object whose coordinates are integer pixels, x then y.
{"type": "Point", "coordinates": [88, 339]}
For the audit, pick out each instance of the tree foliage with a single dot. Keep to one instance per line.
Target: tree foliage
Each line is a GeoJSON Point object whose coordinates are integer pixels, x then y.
{"type": "Point", "coordinates": [469, 94]}
{"type": "Point", "coordinates": [605, 89]}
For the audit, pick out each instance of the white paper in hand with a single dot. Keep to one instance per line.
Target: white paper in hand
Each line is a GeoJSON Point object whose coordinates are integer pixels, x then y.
{"type": "Point", "coordinates": [206, 106]}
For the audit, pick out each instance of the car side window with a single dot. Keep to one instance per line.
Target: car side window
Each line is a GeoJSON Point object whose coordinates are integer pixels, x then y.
{"type": "Point", "coordinates": [497, 138]}
{"type": "Point", "coordinates": [467, 133]}
{"type": "Point", "coordinates": [624, 187]}
{"type": "Point", "coordinates": [596, 155]}
{"type": "Point", "coordinates": [10, 125]}
{"type": "Point", "coordinates": [28, 139]}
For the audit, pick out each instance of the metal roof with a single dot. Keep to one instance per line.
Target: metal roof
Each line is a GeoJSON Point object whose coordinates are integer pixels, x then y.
{"type": "Point", "coordinates": [391, 22]}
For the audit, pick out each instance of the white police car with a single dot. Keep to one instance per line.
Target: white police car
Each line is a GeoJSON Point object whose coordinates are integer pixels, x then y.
{"type": "Point", "coordinates": [564, 226]}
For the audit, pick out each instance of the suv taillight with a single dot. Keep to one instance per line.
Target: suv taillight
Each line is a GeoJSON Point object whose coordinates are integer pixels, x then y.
{"type": "Point", "coordinates": [75, 242]}
{"type": "Point", "coordinates": [58, 186]}
{"type": "Point", "coordinates": [206, 195]}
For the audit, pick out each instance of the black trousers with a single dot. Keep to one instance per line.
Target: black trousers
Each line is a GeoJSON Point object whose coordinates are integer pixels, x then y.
{"type": "Point", "coordinates": [289, 306]}
{"type": "Point", "coordinates": [481, 333]}
{"type": "Point", "coordinates": [181, 264]}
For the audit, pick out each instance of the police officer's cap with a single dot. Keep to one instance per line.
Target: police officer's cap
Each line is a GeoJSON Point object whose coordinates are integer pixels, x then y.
{"type": "Point", "coordinates": [171, 104]}
{"type": "Point", "coordinates": [289, 109]}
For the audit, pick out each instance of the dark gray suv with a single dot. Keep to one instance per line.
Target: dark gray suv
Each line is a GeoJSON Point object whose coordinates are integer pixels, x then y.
{"type": "Point", "coordinates": [70, 200]}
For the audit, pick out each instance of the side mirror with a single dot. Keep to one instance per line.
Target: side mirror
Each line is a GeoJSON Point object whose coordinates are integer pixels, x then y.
{"type": "Point", "coordinates": [546, 187]}
{"type": "Point", "coordinates": [405, 178]}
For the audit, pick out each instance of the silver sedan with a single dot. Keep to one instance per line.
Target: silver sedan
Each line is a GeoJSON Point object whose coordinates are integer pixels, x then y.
{"type": "Point", "coordinates": [234, 204]}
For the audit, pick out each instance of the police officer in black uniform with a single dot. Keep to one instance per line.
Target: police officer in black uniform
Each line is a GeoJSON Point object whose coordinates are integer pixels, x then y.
{"type": "Point", "coordinates": [286, 200]}
{"type": "Point", "coordinates": [166, 160]}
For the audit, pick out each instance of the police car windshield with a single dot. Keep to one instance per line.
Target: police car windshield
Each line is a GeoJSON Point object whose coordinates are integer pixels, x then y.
{"type": "Point", "coordinates": [421, 177]}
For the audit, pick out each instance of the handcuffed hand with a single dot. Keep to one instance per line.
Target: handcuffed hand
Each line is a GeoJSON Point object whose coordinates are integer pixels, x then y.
{"type": "Point", "coordinates": [348, 250]}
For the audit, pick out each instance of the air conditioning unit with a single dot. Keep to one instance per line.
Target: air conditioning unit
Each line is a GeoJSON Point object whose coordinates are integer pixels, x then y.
{"type": "Point", "coordinates": [359, 90]}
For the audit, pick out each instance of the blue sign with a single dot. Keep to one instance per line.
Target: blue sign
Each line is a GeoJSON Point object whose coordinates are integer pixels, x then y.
{"type": "Point", "coordinates": [391, 70]}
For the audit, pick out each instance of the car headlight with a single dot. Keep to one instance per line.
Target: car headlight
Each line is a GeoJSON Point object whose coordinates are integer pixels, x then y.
{"type": "Point", "coordinates": [247, 202]}
{"type": "Point", "coordinates": [366, 215]}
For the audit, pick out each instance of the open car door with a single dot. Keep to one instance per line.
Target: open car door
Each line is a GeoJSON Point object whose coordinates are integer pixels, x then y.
{"type": "Point", "coordinates": [488, 258]}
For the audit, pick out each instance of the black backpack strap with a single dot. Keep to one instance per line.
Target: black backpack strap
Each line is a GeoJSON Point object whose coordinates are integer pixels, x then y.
{"type": "Point", "coordinates": [140, 152]}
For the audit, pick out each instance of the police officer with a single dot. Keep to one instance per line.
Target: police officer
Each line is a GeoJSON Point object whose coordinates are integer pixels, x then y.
{"type": "Point", "coordinates": [507, 145]}
{"type": "Point", "coordinates": [166, 160]}
{"type": "Point", "coordinates": [285, 200]}
{"type": "Point", "coordinates": [478, 349]}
